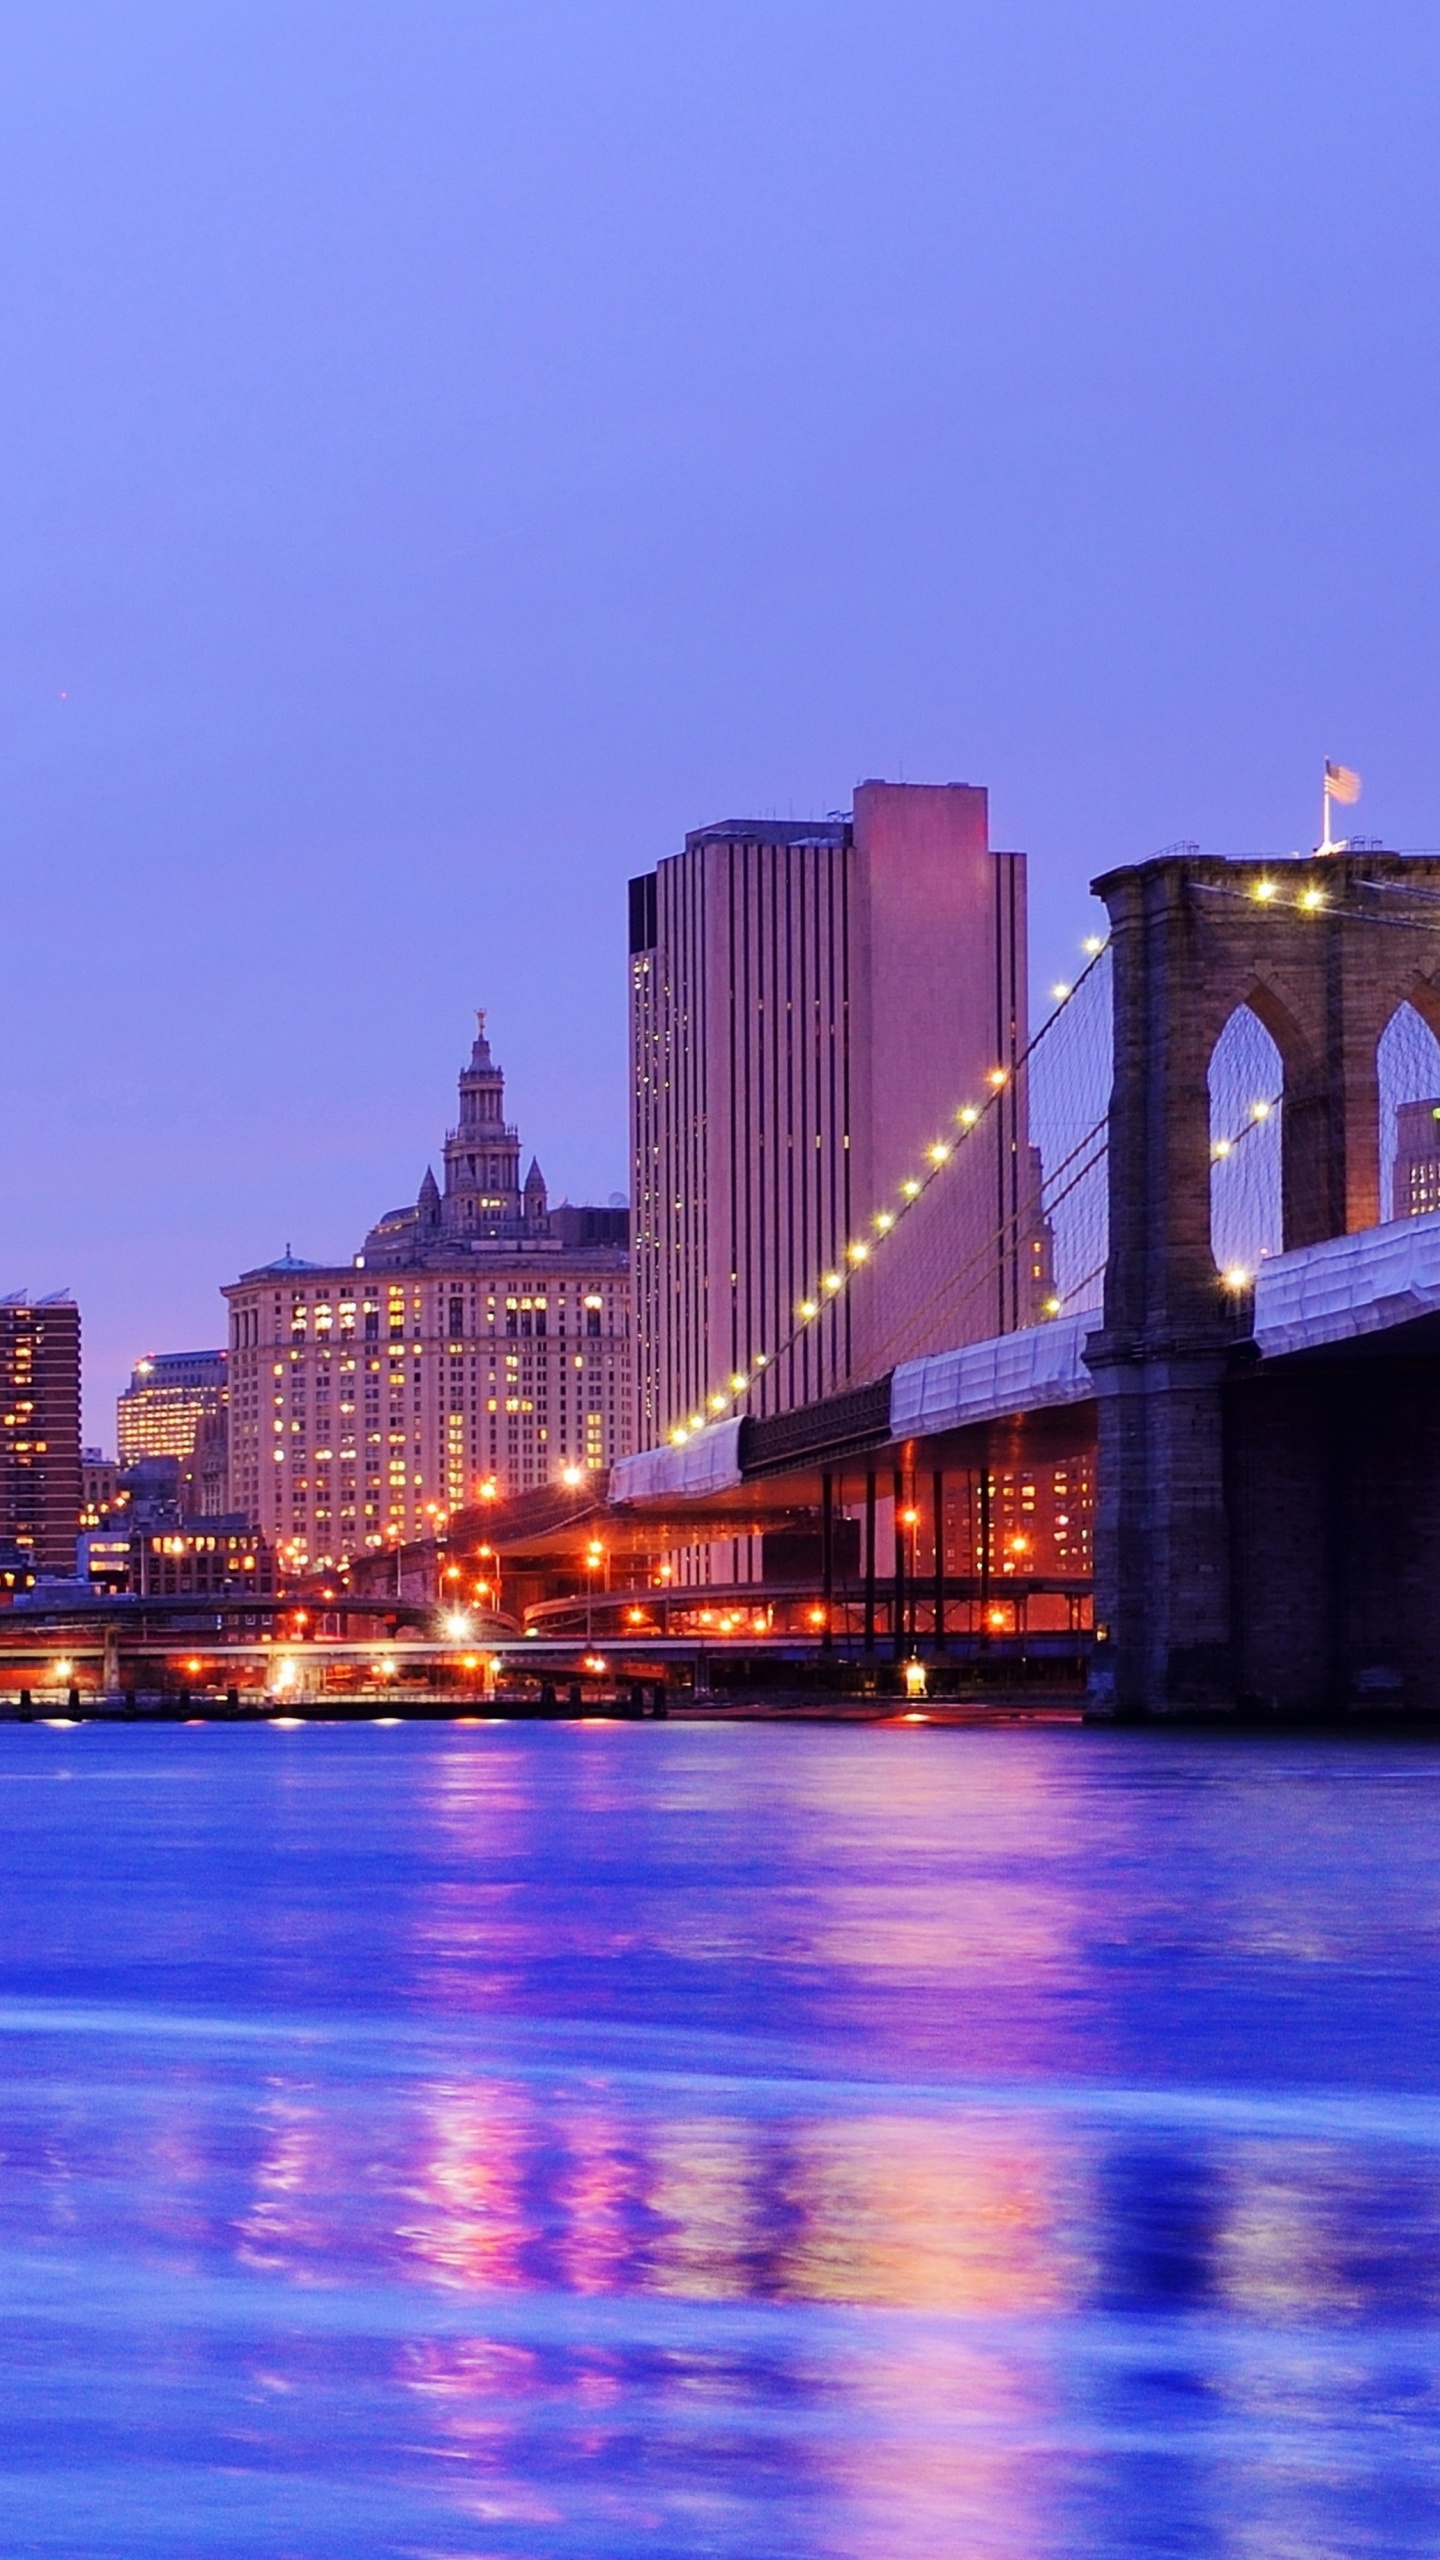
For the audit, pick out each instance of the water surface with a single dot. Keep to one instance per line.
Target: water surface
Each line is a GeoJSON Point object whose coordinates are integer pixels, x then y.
{"type": "Point", "coordinates": [474, 2141]}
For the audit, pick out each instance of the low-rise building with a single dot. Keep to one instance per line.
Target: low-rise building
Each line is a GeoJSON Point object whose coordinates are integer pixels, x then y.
{"type": "Point", "coordinates": [171, 1564]}
{"type": "Point", "coordinates": [99, 1487]}
{"type": "Point", "coordinates": [173, 1397]}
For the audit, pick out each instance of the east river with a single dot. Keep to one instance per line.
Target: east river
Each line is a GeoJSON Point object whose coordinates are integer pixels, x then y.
{"type": "Point", "coordinates": [600, 2140]}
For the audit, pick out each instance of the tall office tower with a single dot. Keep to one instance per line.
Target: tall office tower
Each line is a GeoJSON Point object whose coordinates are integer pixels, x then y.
{"type": "Point", "coordinates": [813, 1005]}
{"type": "Point", "coordinates": [40, 1476]}
{"type": "Point", "coordinates": [174, 1397]}
{"type": "Point", "coordinates": [480, 1338]}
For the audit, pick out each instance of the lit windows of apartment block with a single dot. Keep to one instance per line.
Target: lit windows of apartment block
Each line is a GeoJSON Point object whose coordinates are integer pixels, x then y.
{"type": "Point", "coordinates": [40, 1472]}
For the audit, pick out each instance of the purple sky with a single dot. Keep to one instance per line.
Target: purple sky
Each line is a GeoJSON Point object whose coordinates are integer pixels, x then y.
{"type": "Point", "coordinates": [450, 448]}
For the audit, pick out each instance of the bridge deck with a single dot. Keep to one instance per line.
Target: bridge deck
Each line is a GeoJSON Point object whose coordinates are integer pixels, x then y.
{"type": "Point", "coordinates": [1321, 1295]}
{"type": "Point", "coordinates": [1349, 1287]}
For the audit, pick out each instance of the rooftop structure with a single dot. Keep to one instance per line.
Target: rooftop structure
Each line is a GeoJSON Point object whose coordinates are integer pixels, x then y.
{"type": "Point", "coordinates": [479, 1340]}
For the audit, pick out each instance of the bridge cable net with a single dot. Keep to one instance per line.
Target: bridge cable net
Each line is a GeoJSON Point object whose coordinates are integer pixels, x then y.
{"type": "Point", "coordinates": [953, 1277]}
{"type": "Point", "coordinates": [980, 1236]}
{"type": "Point", "coordinates": [1009, 1228]}
{"type": "Point", "coordinates": [1003, 1222]}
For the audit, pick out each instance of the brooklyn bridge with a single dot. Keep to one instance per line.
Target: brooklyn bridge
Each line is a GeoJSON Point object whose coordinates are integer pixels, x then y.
{"type": "Point", "coordinates": [1203, 1437]}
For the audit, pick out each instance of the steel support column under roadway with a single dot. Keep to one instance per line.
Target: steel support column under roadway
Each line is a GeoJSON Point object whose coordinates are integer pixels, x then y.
{"type": "Point", "coordinates": [898, 1602]}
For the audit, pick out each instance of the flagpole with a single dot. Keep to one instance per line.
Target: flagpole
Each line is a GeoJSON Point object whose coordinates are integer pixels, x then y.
{"type": "Point", "coordinates": [1340, 784]}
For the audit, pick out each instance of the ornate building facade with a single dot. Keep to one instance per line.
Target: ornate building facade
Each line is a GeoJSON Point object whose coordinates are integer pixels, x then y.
{"type": "Point", "coordinates": [480, 1337]}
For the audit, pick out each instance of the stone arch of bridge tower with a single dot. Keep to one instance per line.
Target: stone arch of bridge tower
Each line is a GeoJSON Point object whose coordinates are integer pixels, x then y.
{"type": "Point", "coordinates": [1423, 996]}
{"type": "Point", "coordinates": [1297, 1046]}
{"type": "Point", "coordinates": [1247, 1082]}
{"type": "Point", "coordinates": [1297, 1028]}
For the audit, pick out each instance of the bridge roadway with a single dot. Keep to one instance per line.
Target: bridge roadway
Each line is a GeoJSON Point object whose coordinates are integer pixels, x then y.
{"type": "Point", "coordinates": [1311, 1407]}
{"type": "Point", "coordinates": [160, 1645]}
{"type": "Point", "coordinates": [1322, 1297]}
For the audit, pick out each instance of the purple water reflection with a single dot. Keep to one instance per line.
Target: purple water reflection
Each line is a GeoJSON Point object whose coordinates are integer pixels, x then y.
{"type": "Point", "coordinates": [585, 2142]}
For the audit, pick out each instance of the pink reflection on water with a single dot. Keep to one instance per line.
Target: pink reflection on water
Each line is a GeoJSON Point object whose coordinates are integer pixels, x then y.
{"type": "Point", "coordinates": [472, 2226]}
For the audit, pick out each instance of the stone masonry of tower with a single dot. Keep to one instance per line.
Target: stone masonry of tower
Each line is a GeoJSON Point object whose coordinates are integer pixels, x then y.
{"type": "Point", "coordinates": [1268, 1535]}
{"type": "Point", "coordinates": [479, 1338]}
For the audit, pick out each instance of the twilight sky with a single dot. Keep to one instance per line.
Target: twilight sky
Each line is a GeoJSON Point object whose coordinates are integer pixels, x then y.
{"type": "Point", "coordinates": [448, 449]}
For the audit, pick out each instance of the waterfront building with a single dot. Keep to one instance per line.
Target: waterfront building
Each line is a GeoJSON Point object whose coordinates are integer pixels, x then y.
{"type": "Point", "coordinates": [17, 1570]}
{"type": "Point", "coordinates": [103, 1556]}
{"type": "Point", "coordinates": [116, 1500]}
{"type": "Point", "coordinates": [229, 1559]}
{"type": "Point", "coordinates": [99, 1487]}
{"type": "Point", "coordinates": [481, 1339]}
{"type": "Point", "coordinates": [205, 1474]}
{"type": "Point", "coordinates": [172, 1398]}
{"type": "Point", "coordinates": [40, 1477]}
{"type": "Point", "coordinates": [1023, 1519]}
{"type": "Point", "coordinates": [811, 1003]}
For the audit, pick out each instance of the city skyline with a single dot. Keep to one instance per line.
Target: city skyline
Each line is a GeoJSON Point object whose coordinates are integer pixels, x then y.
{"type": "Point", "coordinates": [722, 980]}
{"type": "Point", "coordinates": [475, 498]}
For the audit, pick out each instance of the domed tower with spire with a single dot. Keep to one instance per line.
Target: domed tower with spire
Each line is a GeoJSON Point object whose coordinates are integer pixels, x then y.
{"type": "Point", "coordinates": [476, 1347]}
{"type": "Point", "coordinates": [482, 1155]}
{"type": "Point", "coordinates": [482, 1202]}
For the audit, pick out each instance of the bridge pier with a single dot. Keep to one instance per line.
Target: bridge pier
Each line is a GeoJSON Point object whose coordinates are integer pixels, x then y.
{"type": "Point", "coordinates": [1162, 1532]}
{"type": "Point", "coordinates": [1159, 1361]}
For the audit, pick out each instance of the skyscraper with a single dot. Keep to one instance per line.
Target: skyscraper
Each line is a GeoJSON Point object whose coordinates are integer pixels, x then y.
{"type": "Point", "coordinates": [40, 1479]}
{"type": "Point", "coordinates": [812, 1003]}
{"type": "Point", "coordinates": [480, 1337]}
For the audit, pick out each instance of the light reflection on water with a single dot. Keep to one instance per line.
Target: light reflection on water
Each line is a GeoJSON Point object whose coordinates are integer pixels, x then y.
{"type": "Point", "coordinates": [735, 2142]}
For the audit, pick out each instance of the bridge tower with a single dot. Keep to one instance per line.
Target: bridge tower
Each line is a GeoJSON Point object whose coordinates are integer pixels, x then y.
{"type": "Point", "coordinates": [1322, 951]}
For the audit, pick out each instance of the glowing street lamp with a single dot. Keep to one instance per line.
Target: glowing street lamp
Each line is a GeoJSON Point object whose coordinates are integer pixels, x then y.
{"type": "Point", "coordinates": [594, 1560]}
